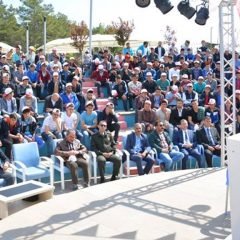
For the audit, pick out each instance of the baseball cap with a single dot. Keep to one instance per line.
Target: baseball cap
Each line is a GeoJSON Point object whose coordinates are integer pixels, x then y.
{"type": "Point", "coordinates": [55, 74]}
{"type": "Point", "coordinates": [90, 90]}
{"type": "Point", "coordinates": [65, 64]}
{"type": "Point", "coordinates": [100, 67]}
{"type": "Point", "coordinates": [185, 76]}
{"type": "Point", "coordinates": [70, 104]}
{"type": "Point", "coordinates": [148, 74]}
{"type": "Point", "coordinates": [212, 101]}
{"type": "Point", "coordinates": [8, 91]}
{"type": "Point", "coordinates": [68, 85]}
{"type": "Point", "coordinates": [88, 103]}
{"type": "Point", "coordinates": [208, 86]}
{"type": "Point", "coordinates": [26, 109]}
{"type": "Point", "coordinates": [29, 91]}
{"type": "Point", "coordinates": [144, 90]}
{"type": "Point", "coordinates": [148, 102]}
{"type": "Point", "coordinates": [174, 87]}
{"type": "Point", "coordinates": [25, 78]}
{"type": "Point", "coordinates": [189, 85]}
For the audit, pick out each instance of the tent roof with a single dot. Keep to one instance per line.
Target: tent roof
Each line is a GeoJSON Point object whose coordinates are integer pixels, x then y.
{"type": "Point", "coordinates": [63, 45]}
{"type": "Point", "coordinates": [5, 47]}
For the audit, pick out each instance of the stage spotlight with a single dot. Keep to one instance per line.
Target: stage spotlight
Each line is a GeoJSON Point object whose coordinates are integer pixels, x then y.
{"type": "Point", "coordinates": [164, 5]}
{"type": "Point", "coordinates": [185, 9]}
{"type": "Point", "coordinates": [202, 15]}
{"type": "Point", "coordinates": [143, 3]}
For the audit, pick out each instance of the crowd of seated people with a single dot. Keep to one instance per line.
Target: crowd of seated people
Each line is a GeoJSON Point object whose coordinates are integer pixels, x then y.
{"type": "Point", "coordinates": [171, 93]}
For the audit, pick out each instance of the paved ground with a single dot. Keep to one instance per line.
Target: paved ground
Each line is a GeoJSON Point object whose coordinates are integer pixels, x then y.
{"type": "Point", "coordinates": [180, 205]}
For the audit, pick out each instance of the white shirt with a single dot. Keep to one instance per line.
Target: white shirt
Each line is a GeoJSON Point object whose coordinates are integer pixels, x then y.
{"type": "Point", "coordinates": [48, 121]}
{"type": "Point", "coordinates": [69, 120]}
{"type": "Point", "coordinates": [9, 106]}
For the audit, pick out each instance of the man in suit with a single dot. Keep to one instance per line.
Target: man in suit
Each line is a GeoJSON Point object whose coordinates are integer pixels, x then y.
{"type": "Point", "coordinates": [73, 152]}
{"type": "Point", "coordinates": [160, 140]}
{"type": "Point", "coordinates": [178, 113]}
{"type": "Point", "coordinates": [186, 140]}
{"type": "Point", "coordinates": [138, 147]}
{"type": "Point", "coordinates": [210, 139]}
{"type": "Point", "coordinates": [105, 147]}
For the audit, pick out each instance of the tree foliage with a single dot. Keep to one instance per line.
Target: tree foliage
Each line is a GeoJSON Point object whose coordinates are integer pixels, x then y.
{"type": "Point", "coordinates": [13, 23]}
{"type": "Point", "coordinates": [102, 29]}
{"type": "Point", "coordinates": [79, 34]}
{"type": "Point", "coordinates": [122, 30]}
{"type": "Point", "coordinates": [10, 30]}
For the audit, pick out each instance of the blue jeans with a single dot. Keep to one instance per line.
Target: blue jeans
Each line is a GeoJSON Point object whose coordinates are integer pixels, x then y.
{"type": "Point", "coordinates": [138, 160]}
{"type": "Point", "coordinates": [49, 141]}
{"type": "Point", "coordinates": [169, 158]}
{"type": "Point", "coordinates": [194, 153]}
{"type": "Point", "coordinates": [86, 139]}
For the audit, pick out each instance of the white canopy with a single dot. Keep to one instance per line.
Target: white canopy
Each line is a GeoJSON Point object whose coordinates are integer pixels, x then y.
{"type": "Point", "coordinates": [5, 47]}
{"type": "Point", "coordinates": [101, 41]}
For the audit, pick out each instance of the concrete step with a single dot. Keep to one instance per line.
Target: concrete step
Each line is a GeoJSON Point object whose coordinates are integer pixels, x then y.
{"type": "Point", "coordinates": [89, 84]}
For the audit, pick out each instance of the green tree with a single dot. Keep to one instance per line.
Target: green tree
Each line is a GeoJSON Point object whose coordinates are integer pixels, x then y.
{"type": "Point", "coordinates": [10, 30]}
{"type": "Point", "coordinates": [122, 30]}
{"type": "Point", "coordinates": [79, 34]}
{"type": "Point", "coordinates": [34, 10]}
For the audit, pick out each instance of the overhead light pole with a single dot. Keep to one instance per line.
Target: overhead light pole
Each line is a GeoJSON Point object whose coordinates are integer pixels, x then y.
{"type": "Point", "coordinates": [90, 27]}
{"type": "Point", "coordinates": [44, 34]}
{"type": "Point", "coordinates": [27, 35]}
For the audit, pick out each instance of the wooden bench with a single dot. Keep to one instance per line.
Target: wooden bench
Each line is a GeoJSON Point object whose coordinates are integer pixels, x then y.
{"type": "Point", "coordinates": [23, 190]}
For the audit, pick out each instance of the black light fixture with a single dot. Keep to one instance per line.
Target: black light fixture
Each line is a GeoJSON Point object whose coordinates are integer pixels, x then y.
{"type": "Point", "coordinates": [185, 9]}
{"type": "Point", "coordinates": [202, 14]}
{"type": "Point", "coordinates": [143, 3]}
{"type": "Point", "coordinates": [164, 5]}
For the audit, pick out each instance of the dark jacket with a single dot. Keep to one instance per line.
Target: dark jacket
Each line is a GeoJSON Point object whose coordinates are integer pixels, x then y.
{"type": "Point", "coordinates": [131, 142]}
{"type": "Point", "coordinates": [203, 139]}
{"type": "Point", "coordinates": [110, 118]}
{"type": "Point", "coordinates": [179, 141]}
{"type": "Point", "coordinates": [155, 141]}
{"type": "Point", "coordinates": [103, 143]}
{"type": "Point", "coordinates": [48, 104]}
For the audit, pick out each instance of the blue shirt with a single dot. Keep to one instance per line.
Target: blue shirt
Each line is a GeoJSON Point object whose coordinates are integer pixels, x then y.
{"type": "Point", "coordinates": [89, 119]}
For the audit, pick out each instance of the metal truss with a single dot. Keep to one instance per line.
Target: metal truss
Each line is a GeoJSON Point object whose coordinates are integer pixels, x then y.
{"type": "Point", "coordinates": [227, 77]}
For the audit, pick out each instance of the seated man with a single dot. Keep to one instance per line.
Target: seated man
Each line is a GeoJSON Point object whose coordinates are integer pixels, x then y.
{"type": "Point", "coordinates": [8, 103]}
{"type": "Point", "coordinates": [105, 147]}
{"type": "Point", "coordinates": [185, 139]}
{"type": "Point", "coordinates": [52, 129]}
{"type": "Point", "coordinates": [70, 121]}
{"type": "Point", "coordinates": [108, 115]}
{"type": "Point", "coordinates": [159, 140]}
{"type": "Point", "coordinates": [88, 123]}
{"type": "Point", "coordinates": [73, 152]}
{"type": "Point", "coordinates": [4, 138]}
{"type": "Point", "coordinates": [138, 147]}
{"type": "Point", "coordinates": [147, 116]}
{"type": "Point", "coordinates": [9, 179]}
{"type": "Point", "coordinates": [210, 139]}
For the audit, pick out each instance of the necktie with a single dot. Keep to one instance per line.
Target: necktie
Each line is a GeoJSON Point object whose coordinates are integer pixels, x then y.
{"type": "Point", "coordinates": [210, 138]}
{"type": "Point", "coordinates": [186, 137]}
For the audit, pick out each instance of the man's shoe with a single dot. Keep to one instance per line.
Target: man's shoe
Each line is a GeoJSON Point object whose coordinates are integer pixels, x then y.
{"type": "Point", "coordinates": [113, 178]}
{"type": "Point", "coordinates": [85, 185]}
{"type": "Point", "coordinates": [75, 187]}
{"type": "Point", "coordinates": [162, 166]}
{"type": "Point", "coordinates": [102, 180]}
